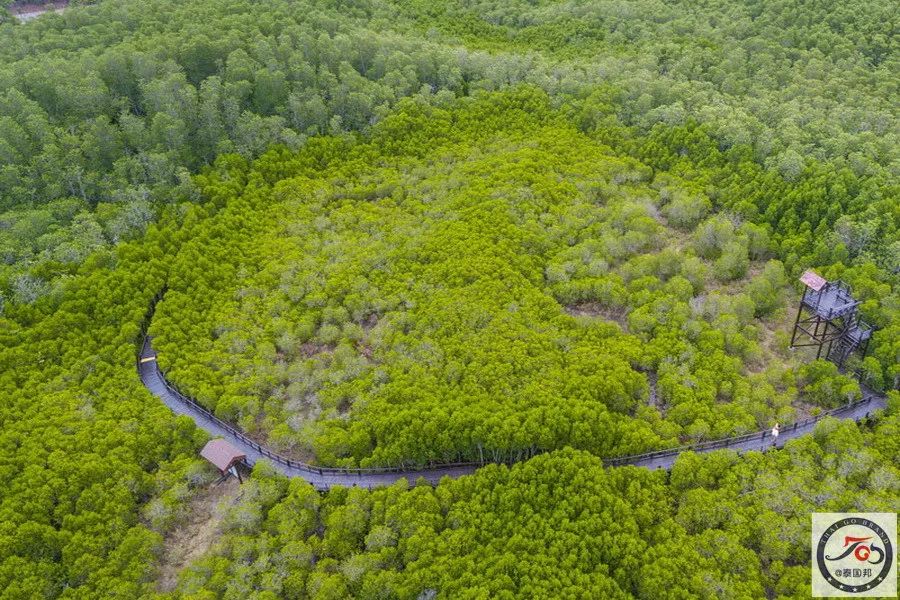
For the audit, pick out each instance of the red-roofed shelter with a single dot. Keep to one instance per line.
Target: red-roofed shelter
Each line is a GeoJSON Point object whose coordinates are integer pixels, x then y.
{"type": "Point", "coordinates": [223, 456]}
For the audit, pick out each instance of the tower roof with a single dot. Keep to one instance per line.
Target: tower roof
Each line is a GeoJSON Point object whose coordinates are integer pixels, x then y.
{"type": "Point", "coordinates": [813, 281]}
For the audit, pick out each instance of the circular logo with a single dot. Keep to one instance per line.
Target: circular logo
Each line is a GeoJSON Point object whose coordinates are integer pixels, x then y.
{"type": "Point", "coordinates": [854, 555]}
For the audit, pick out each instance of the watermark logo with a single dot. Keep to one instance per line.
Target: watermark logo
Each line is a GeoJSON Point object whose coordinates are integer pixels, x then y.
{"type": "Point", "coordinates": [854, 554]}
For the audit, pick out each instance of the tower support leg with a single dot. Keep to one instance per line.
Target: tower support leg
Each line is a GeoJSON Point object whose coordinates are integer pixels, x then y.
{"type": "Point", "coordinates": [796, 323]}
{"type": "Point", "coordinates": [818, 338]}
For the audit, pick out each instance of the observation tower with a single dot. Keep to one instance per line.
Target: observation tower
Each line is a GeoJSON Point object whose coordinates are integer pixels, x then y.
{"type": "Point", "coordinates": [828, 319]}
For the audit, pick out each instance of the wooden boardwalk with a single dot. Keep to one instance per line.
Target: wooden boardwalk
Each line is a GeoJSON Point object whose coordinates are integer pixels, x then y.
{"type": "Point", "coordinates": [325, 478]}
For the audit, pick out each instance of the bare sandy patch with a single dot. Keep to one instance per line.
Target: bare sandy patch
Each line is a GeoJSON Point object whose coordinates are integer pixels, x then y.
{"type": "Point", "coordinates": [191, 540]}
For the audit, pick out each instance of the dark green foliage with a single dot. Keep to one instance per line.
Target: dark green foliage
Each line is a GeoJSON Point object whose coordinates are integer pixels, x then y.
{"type": "Point", "coordinates": [352, 300]}
{"type": "Point", "coordinates": [561, 526]}
{"type": "Point", "coordinates": [432, 231]}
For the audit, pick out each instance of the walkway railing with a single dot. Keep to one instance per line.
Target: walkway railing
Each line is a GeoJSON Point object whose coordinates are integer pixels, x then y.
{"type": "Point", "coordinates": [143, 340]}
{"type": "Point", "coordinates": [738, 439]}
{"type": "Point", "coordinates": [615, 461]}
{"type": "Point", "coordinates": [278, 458]}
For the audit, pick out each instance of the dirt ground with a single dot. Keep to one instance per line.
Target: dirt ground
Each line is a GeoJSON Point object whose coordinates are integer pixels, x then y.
{"type": "Point", "coordinates": [596, 310]}
{"type": "Point", "coordinates": [25, 12]}
{"type": "Point", "coordinates": [27, 7]}
{"type": "Point", "coordinates": [192, 539]}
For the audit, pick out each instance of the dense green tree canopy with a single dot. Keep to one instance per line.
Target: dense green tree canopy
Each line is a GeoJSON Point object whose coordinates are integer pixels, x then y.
{"type": "Point", "coordinates": [396, 231]}
{"type": "Point", "coordinates": [455, 298]}
{"type": "Point", "coordinates": [107, 108]}
{"type": "Point", "coordinates": [559, 526]}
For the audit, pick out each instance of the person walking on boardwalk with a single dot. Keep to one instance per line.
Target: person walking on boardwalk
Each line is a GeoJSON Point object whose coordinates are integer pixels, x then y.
{"type": "Point", "coordinates": [775, 431]}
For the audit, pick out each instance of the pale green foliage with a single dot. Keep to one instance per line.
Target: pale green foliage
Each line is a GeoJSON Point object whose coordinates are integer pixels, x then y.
{"type": "Point", "coordinates": [685, 211]}
{"type": "Point", "coordinates": [561, 525]}
{"type": "Point", "coordinates": [359, 312]}
{"type": "Point", "coordinates": [428, 260]}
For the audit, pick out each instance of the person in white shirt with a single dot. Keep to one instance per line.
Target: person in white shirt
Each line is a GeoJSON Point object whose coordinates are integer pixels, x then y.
{"type": "Point", "coordinates": [775, 434]}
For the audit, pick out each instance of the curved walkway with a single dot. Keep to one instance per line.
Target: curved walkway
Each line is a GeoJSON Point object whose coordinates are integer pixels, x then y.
{"type": "Point", "coordinates": [324, 478]}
